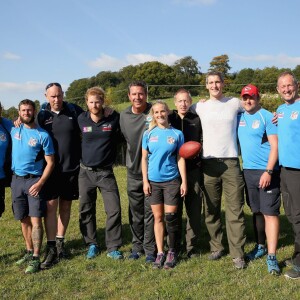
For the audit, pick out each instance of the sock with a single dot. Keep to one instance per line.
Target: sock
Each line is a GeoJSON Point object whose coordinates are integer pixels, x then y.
{"type": "Point", "coordinates": [51, 243]}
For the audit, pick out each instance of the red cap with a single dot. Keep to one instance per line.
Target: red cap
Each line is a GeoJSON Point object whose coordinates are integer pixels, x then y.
{"type": "Point", "coordinates": [250, 90]}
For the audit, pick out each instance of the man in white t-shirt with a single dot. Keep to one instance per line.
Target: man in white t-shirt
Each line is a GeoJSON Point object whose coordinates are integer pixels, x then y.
{"type": "Point", "coordinates": [221, 170]}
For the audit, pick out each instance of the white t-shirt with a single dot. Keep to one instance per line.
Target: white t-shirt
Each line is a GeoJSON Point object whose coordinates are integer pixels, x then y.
{"type": "Point", "coordinates": [219, 126]}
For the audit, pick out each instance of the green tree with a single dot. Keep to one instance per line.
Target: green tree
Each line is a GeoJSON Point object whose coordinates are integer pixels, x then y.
{"type": "Point", "coordinates": [187, 72]}
{"type": "Point", "coordinates": [11, 113]}
{"type": "Point", "coordinates": [244, 77]}
{"type": "Point", "coordinates": [266, 79]}
{"type": "Point", "coordinates": [220, 64]}
{"type": "Point", "coordinates": [296, 72]}
{"type": "Point", "coordinates": [156, 73]}
{"type": "Point", "coordinates": [77, 90]}
{"type": "Point", "coordinates": [106, 79]}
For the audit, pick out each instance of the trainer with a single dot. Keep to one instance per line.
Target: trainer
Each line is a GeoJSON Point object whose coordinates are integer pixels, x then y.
{"type": "Point", "coordinates": [31, 146]}
{"type": "Point", "coordinates": [259, 146]}
{"type": "Point", "coordinates": [5, 157]}
{"type": "Point", "coordinates": [59, 119]}
{"type": "Point", "coordinates": [221, 169]}
{"type": "Point", "coordinates": [134, 120]}
{"type": "Point", "coordinates": [99, 148]}
{"type": "Point", "coordinates": [289, 159]}
{"type": "Point", "coordinates": [189, 123]}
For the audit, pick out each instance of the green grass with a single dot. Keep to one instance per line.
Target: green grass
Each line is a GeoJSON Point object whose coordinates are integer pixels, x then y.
{"type": "Point", "coordinates": [103, 278]}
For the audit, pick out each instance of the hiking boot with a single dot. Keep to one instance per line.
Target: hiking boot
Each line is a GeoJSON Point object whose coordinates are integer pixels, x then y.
{"type": "Point", "coordinates": [272, 263]}
{"type": "Point", "coordinates": [292, 274]}
{"type": "Point", "coordinates": [288, 262]}
{"type": "Point", "coordinates": [239, 263]}
{"type": "Point", "coordinates": [33, 266]}
{"type": "Point", "coordinates": [159, 261]}
{"type": "Point", "coordinates": [92, 252]}
{"type": "Point", "coordinates": [50, 258]}
{"type": "Point", "coordinates": [135, 255]}
{"type": "Point", "coordinates": [60, 247]}
{"type": "Point", "coordinates": [192, 254]}
{"type": "Point", "coordinates": [215, 255]}
{"type": "Point", "coordinates": [150, 259]}
{"type": "Point", "coordinates": [171, 261]}
{"type": "Point", "coordinates": [258, 252]}
{"type": "Point", "coordinates": [26, 258]}
{"type": "Point", "coordinates": [116, 254]}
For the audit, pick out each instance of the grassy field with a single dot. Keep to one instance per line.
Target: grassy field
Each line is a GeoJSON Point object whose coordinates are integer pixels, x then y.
{"type": "Point", "coordinates": [102, 278]}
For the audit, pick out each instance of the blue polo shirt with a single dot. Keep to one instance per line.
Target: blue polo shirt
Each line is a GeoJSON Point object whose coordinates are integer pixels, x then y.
{"type": "Point", "coordinates": [163, 146]}
{"type": "Point", "coordinates": [289, 135]}
{"type": "Point", "coordinates": [253, 130]}
{"type": "Point", "coordinates": [28, 149]}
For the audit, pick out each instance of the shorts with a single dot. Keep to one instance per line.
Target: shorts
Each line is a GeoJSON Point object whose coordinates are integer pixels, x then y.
{"type": "Point", "coordinates": [167, 192]}
{"type": "Point", "coordinates": [266, 201]}
{"type": "Point", "coordinates": [63, 185]}
{"type": "Point", "coordinates": [23, 204]}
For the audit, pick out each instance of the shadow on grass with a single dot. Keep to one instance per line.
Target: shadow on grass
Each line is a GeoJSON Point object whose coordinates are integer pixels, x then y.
{"type": "Point", "coordinates": [77, 247]}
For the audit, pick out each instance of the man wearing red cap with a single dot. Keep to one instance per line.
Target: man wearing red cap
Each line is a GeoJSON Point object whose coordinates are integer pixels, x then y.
{"type": "Point", "coordinates": [259, 145]}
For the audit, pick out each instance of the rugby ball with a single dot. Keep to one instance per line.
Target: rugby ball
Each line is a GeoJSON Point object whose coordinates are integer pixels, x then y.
{"type": "Point", "coordinates": [190, 149]}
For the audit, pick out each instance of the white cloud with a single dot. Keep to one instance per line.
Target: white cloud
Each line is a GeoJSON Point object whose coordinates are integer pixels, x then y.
{"type": "Point", "coordinates": [29, 86]}
{"type": "Point", "coordinates": [108, 63]}
{"type": "Point", "coordinates": [196, 2]}
{"type": "Point", "coordinates": [11, 56]}
{"type": "Point", "coordinates": [280, 60]}
{"type": "Point", "coordinates": [26, 87]}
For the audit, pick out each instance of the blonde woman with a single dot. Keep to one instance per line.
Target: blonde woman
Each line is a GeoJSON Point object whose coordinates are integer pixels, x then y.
{"type": "Point", "coordinates": [164, 179]}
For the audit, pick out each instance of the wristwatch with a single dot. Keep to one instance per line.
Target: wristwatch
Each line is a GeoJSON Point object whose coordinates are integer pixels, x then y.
{"type": "Point", "coordinates": [270, 172]}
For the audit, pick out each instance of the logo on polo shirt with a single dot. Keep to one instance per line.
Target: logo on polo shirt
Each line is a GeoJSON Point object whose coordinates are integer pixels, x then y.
{"type": "Point", "coordinates": [153, 139]}
{"type": "Point", "coordinates": [32, 142]}
{"type": "Point", "coordinates": [107, 127]}
{"type": "Point", "coordinates": [48, 121]}
{"type": "Point", "coordinates": [294, 115]}
{"type": "Point", "coordinates": [148, 119]}
{"type": "Point", "coordinates": [255, 124]}
{"type": "Point", "coordinates": [170, 140]}
{"type": "Point", "coordinates": [242, 123]}
{"type": "Point", "coordinates": [17, 136]}
{"type": "Point", "coordinates": [280, 115]}
{"type": "Point", "coordinates": [87, 129]}
{"type": "Point", "coordinates": [3, 137]}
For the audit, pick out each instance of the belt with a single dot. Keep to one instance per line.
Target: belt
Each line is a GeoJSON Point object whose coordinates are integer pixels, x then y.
{"type": "Point", "coordinates": [222, 159]}
{"type": "Point", "coordinates": [27, 176]}
{"type": "Point", "coordinates": [94, 169]}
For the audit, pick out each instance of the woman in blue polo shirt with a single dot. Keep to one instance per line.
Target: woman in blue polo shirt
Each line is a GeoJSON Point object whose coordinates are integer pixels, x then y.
{"type": "Point", "coordinates": [164, 179]}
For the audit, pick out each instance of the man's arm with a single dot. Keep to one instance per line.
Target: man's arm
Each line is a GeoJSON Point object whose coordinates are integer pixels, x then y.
{"type": "Point", "coordinates": [265, 178]}
{"type": "Point", "coordinates": [146, 184]}
{"type": "Point", "coordinates": [35, 189]}
{"type": "Point", "coordinates": [182, 171]}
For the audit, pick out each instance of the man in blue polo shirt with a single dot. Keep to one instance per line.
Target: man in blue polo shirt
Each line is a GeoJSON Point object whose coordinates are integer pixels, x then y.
{"type": "Point", "coordinates": [31, 147]}
{"type": "Point", "coordinates": [289, 159]}
{"type": "Point", "coordinates": [259, 145]}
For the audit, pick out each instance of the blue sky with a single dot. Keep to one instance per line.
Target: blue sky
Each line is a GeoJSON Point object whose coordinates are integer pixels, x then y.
{"type": "Point", "coordinates": [64, 40]}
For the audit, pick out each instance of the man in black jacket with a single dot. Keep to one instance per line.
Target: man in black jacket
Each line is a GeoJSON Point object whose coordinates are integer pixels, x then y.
{"type": "Point", "coordinates": [189, 123]}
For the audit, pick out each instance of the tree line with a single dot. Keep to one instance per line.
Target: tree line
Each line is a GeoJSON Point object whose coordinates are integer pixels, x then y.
{"type": "Point", "coordinates": [164, 80]}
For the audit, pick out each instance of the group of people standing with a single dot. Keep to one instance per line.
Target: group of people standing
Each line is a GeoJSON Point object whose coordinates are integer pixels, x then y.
{"type": "Point", "coordinates": [66, 154]}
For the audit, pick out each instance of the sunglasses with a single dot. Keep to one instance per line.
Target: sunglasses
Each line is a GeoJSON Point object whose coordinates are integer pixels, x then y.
{"type": "Point", "coordinates": [52, 84]}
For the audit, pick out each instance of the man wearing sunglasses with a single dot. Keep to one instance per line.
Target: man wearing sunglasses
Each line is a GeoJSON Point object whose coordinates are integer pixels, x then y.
{"type": "Point", "coordinates": [59, 119]}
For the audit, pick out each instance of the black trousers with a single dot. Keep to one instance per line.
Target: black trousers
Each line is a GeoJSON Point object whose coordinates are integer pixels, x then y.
{"type": "Point", "coordinates": [141, 219]}
{"type": "Point", "coordinates": [105, 181]}
{"type": "Point", "coordinates": [290, 190]}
